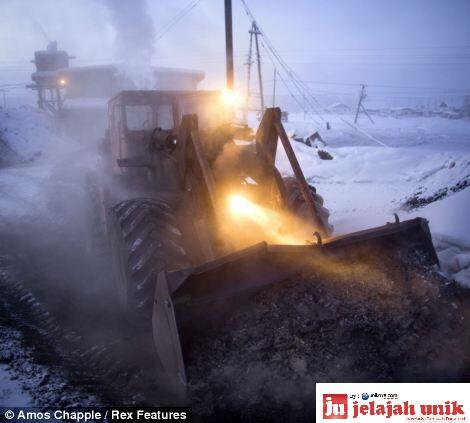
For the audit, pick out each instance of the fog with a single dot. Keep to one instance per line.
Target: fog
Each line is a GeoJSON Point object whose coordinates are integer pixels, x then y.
{"type": "Point", "coordinates": [403, 43]}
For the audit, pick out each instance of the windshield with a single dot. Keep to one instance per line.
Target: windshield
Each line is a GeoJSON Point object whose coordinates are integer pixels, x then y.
{"type": "Point", "coordinates": [147, 117]}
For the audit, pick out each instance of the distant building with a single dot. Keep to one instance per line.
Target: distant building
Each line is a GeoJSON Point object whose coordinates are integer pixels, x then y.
{"type": "Point", "coordinates": [443, 105]}
{"type": "Point", "coordinates": [78, 95]}
{"type": "Point", "coordinates": [339, 108]}
{"type": "Point", "coordinates": [466, 105]}
{"type": "Point", "coordinates": [405, 111]}
{"type": "Point", "coordinates": [104, 81]}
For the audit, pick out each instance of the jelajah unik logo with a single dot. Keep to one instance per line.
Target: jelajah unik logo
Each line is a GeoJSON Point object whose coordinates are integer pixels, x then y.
{"type": "Point", "coordinates": [335, 406]}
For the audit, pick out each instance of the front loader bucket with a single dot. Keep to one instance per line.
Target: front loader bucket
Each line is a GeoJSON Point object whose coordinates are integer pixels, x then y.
{"type": "Point", "coordinates": [189, 300]}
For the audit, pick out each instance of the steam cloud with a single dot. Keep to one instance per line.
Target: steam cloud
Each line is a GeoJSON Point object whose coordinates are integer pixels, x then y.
{"type": "Point", "coordinates": [135, 33]}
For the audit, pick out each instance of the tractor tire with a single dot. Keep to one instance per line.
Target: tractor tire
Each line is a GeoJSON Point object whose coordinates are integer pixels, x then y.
{"type": "Point", "coordinates": [145, 240]}
{"type": "Point", "coordinates": [95, 244]}
{"type": "Point", "coordinates": [297, 204]}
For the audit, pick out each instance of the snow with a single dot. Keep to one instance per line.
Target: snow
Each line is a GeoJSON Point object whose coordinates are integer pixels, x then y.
{"type": "Point", "coordinates": [11, 393]}
{"type": "Point", "coordinates": [46, 185]}
{"type": "Point", "coordinates": [28, 131]}
{"type": "Point", "coordinates": [365, 184]}
{"type": "Point", "coordinates": [450, 225]}
{"type": "Point", "coordinates": [435, 133]}
{"type": "Point", "coordinates": [449, 218]}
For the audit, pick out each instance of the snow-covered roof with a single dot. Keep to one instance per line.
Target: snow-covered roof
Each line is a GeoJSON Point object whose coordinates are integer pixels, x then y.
{"type": "Point", "coordinates": [196, 74]}
{"type": "Point", "coordinates": [86, 103]}
{"type": "Point", "coordinates": [403, 109]}
{"type": "Point", "coordinates": [339, 106]}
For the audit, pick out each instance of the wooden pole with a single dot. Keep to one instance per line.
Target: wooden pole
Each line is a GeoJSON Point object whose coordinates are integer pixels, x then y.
{"type": "Point", "coordinates": [248, 76]}
{"type": "Point", "coordinates": [274, 87]}
{"type": "Point", "coordinates": [229, 43]}
{"type": "Point", "coordinates": [359, 103]}
{"type": "Point", "coordinates": [258, 58]}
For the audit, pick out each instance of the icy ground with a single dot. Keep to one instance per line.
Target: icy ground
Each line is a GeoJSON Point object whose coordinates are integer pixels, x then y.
{"type": "Point", "coordinates": [36, 184]}
{"type": "Point", "coordinates": [11, 394]}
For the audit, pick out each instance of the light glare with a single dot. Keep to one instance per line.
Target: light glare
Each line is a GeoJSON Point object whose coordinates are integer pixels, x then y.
{"type": "Point", "coordinates": [228, 97]}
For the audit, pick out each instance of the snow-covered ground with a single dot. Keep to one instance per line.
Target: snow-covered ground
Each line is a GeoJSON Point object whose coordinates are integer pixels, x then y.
{"type": "Point", "coordinates": [50, 168]}
{"type": "Point", "coordinates": [27, 132]}
{"type": "Point", "coordinates": [11, 393]}
{"type": "Point", "coordinates": [366, 183]}
{"type": "Point", "coordinates": [39, 188]}
{"type": "Point", "coordinates": [432, 132]}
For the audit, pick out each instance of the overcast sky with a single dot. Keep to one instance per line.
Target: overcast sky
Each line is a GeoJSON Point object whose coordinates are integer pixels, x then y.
{"type": "Point", "coordinates": [402, 43]}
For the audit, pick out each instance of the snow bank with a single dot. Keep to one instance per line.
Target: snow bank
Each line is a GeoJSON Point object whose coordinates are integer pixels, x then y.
{"type": "Point", "coordinates": [450, 225]}
{"type": "Point", "coordinates": [363, 186]}
{"type": "Point", "coordinates": [48, 190]}
{"type": "Point", "coordinates": [449, 217]}
{"type": "Point", "coordinates": [376, 181]}
{"type": "Point", "coordinates": [28, 132]}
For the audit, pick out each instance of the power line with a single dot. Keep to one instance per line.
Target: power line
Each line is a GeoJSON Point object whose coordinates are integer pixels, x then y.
{"type": "Point", "coordinates": [173, 21]}
{"type": "Point", "coordinates": [363, 63]}
{"type": "Point", "coordinates": [291, 94]}
{"type": "Point", "coordinates": [302, 89]}
{"type": "Point", "coordinates": [294, 78]}
{"type": "Point", "coordinates": [299, 103]}
{"type": "Point", "coordinates": [12, 85]}
{"type": "Point", "coordinates": [349, 84]}
{"type": "Point", "coordinates": [389, 48]}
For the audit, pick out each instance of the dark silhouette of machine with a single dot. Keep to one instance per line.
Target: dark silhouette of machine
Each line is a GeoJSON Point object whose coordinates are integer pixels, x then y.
{"type": "Point", "coordinates": [198, 216]}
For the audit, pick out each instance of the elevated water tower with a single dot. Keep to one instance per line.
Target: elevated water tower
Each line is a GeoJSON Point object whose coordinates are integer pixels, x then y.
{"type": "Point", "coordinates": [46, 79]}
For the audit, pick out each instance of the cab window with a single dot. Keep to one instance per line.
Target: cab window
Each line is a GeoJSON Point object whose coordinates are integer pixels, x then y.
{"type": "Point", "coordinates": [165, 116]}
{"type": "Point", "coordinates": [139, 118]}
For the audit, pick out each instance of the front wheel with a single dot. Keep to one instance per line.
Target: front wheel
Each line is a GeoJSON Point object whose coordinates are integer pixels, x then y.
{"type": "Point", "coordinates": [145, 240]}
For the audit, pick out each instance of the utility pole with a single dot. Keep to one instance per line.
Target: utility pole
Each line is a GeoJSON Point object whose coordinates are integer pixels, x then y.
{"type": "Point", "coordinates": [229, 43]}
{"type": "Point", "coordinates": [248, 63]}
{"type": "Point", "coordinates": [359, 103]}
{"type": "Point", "coordinates": [256, 32]}
{"type": "Point", "coordinates": [360, 106]}
{"type": "Point", "coordinates": [4, 99]}
{"type": "Point", "coordinates": [274, 87]}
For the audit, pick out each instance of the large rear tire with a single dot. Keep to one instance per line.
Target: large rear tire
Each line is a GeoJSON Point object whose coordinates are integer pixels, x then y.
{"type": "Point", "coordinates": [297, 204]}
{"type": "Point", "coordinates": [145, 240]}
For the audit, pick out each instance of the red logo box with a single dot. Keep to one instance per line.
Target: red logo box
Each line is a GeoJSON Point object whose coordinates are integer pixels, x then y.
{"type": "Point", "coordinates": [335, 406]}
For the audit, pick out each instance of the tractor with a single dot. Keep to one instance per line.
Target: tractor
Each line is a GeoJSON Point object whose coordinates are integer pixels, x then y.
{"type": "Point", "coordinates": [197, 216]}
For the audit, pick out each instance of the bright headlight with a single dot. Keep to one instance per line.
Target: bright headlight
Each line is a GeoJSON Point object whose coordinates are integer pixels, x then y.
{"type": "Point", "coordinates": [228, 98]}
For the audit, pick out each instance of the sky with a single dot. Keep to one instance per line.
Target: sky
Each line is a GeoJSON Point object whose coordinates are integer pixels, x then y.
{"type": "Point", "coordinates": [398, 48]}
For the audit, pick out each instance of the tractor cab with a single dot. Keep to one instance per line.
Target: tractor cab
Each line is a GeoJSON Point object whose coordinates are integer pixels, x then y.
{"type": "Point", "coordinates": [136, 118]}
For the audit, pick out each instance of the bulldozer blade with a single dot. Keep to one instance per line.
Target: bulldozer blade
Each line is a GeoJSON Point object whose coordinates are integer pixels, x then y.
{"type": "Point", "coordinates": [190, 300]}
